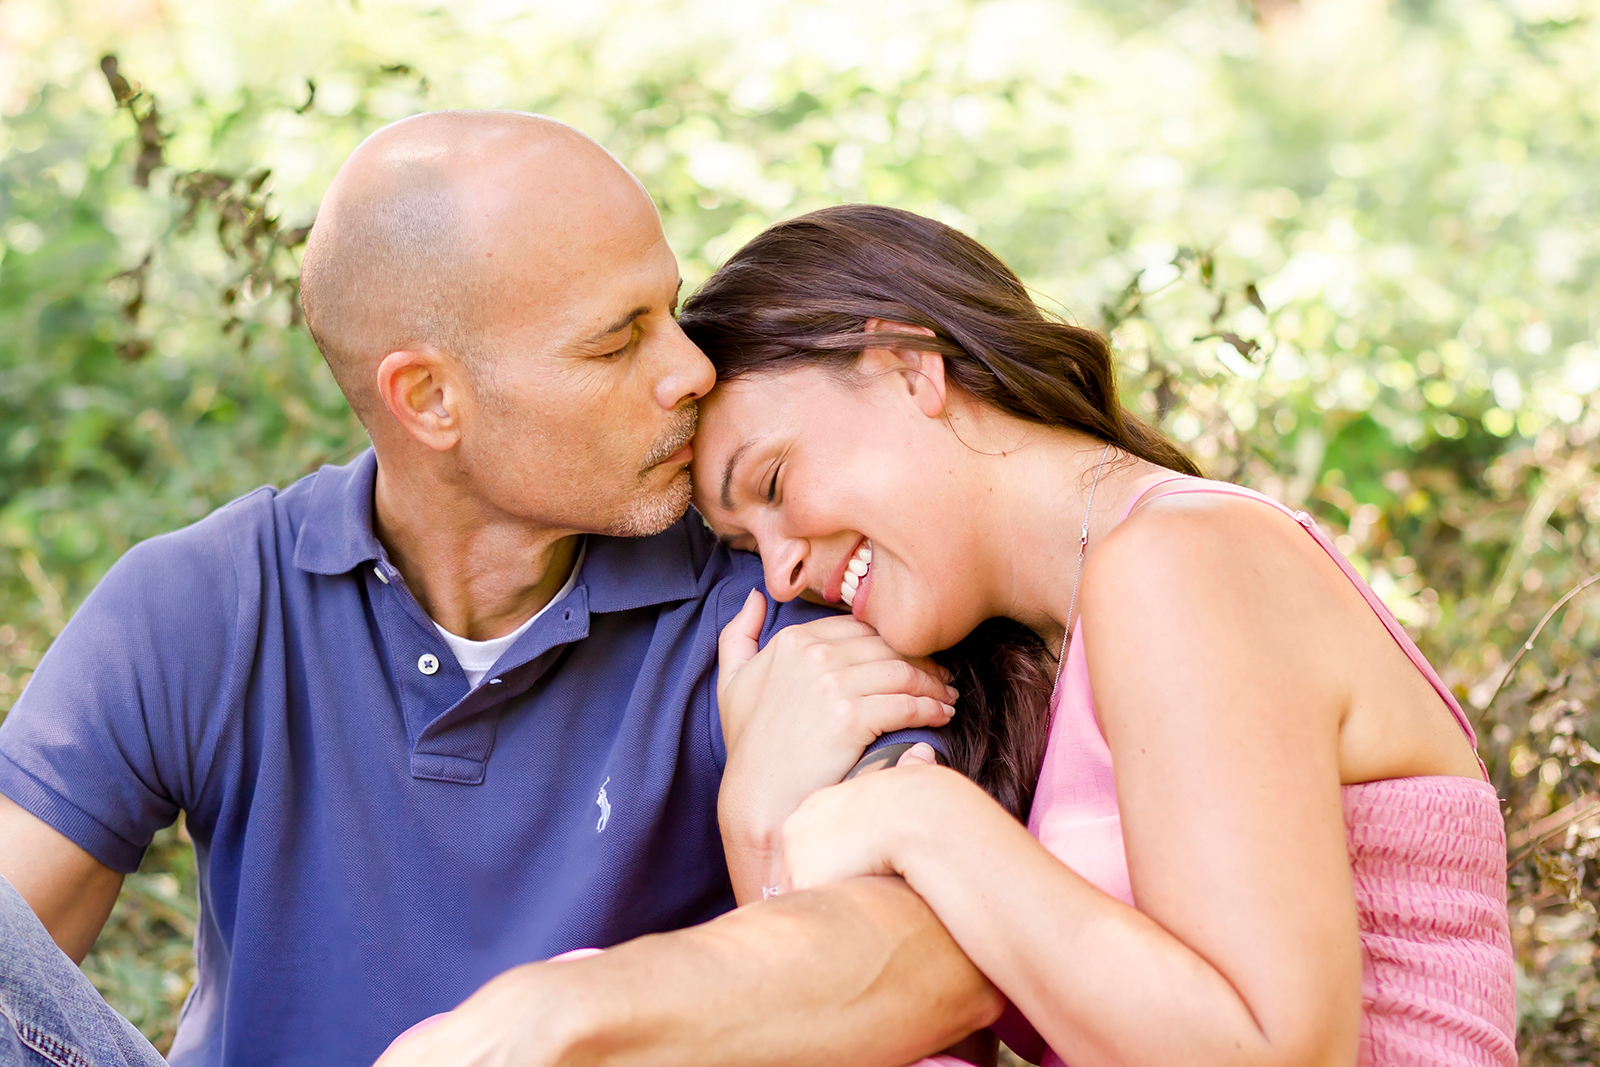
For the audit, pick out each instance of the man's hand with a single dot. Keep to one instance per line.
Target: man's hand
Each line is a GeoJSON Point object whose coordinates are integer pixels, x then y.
{"type": "Point", "coordinates": [855, 974]}
{"type": "Point", "coordinates": [796, 716]}
{"type": "Point", "coordinates": [70, 891]}
{"type": "Point", "coordinates": [516, 1020]}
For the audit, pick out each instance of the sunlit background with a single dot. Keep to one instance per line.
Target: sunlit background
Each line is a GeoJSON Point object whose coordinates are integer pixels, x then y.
{"type": "Point", "coordinates": [1348, 251]}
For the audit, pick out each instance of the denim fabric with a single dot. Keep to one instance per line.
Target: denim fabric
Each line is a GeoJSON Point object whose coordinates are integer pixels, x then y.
{"type": "Point", "coordinates": [50, 1016]}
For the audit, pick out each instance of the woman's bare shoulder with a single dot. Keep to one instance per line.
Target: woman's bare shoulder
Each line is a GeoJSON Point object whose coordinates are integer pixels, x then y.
{"type": "Point", "coordinates": [1208, 615]}
{"type": "Point", "coordinates": [1199, 541]}
{"type": "Point", "coordinates": [1220, 582]}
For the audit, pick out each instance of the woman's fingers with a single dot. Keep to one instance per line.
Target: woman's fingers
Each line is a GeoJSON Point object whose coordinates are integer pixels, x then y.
{"type": "Point", "coordinates": [888, 676]}
{"type": "Point", "coordinates": [820, 650]}
{"type": "Point", "coordinates": [738, 643]}
{"type": "Point", "coordinates": [918, 754]}
{"type": "Point", "coordinates": [870, 647]}
{"type": "Point", "coordinates": [828, 643]}
{"type": "Point", "coordinates": [835, 627]}
{"type": "Point", "coordinates": [879, 715]}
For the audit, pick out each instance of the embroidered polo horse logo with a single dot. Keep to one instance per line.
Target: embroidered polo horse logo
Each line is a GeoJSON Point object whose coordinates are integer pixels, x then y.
{"type": "Point", "coordinates": [605, 806]}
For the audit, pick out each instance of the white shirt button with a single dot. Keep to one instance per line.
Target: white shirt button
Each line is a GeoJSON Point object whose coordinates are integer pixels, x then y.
{"type": "Point", "coordinates": [428, 663]}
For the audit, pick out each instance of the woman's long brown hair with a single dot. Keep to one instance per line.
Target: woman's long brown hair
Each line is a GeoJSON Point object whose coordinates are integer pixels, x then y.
{"type": "Point", "coordinates": [800, 294]}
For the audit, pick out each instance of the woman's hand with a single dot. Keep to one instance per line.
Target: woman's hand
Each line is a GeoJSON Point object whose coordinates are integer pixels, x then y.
{"type": "Point", "coordinates": [796, 716]}
{"type": "Point", "coordinates": [880, 823]}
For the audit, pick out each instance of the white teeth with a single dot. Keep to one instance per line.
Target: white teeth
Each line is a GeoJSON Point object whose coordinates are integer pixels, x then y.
{"type": "Point", "coordinates": [854, 571]}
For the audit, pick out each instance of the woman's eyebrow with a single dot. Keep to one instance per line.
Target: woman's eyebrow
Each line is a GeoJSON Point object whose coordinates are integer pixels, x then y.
{"type": "Point", "coordinates": [727, 473]}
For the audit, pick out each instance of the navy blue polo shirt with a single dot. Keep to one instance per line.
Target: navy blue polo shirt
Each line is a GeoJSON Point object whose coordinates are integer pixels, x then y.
{"type": "Point", "coordinates": [374, 840]}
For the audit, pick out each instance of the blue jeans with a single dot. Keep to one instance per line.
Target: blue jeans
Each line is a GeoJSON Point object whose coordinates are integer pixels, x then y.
{"type": "Point", "coordinates": [50, 1016]}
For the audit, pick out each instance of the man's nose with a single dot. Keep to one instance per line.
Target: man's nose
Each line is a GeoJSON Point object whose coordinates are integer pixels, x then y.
{"type": "Point", "coordinates": [689, 375]}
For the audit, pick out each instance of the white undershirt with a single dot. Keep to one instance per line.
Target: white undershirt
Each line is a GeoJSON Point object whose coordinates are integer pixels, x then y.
{"type": "Point", "coordinates": [477, 657]}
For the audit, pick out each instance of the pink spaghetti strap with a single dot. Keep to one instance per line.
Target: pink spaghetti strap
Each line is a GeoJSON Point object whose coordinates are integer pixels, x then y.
{"type": "Point", "coordinates": [1144, 490]}
{"type": "Point", "coordinates": [1385, 616]}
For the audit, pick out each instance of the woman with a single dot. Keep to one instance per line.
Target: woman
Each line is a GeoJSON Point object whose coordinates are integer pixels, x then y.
{"type": "Point", "coordinates": [1238, 738]}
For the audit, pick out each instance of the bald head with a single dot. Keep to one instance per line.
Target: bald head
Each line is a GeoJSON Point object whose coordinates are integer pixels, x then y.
{"type": "Point", "coordinates": [436, 221]}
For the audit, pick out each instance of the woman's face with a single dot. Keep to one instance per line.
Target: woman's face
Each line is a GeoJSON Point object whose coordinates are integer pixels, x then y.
{"type": "Point", "coordinates": [850, 490]}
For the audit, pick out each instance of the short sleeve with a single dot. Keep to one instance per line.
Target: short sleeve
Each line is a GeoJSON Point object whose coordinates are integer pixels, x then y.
{"type": "Point", "coordinates": [114, 733]}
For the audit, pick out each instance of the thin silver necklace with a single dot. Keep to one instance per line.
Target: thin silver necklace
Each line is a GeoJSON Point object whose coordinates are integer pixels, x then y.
{"type": "Point", "coordinates": [1083, 549]}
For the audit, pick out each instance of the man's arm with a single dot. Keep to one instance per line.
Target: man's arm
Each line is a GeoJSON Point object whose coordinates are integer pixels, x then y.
{"type": "Point", "coordinates": [856, 974]}
{"type": "Point", "coordinates": [70, 891]}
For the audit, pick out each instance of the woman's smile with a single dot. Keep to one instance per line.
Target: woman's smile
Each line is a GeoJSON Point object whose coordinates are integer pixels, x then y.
{"type": "Point", "coordinates": [826, 481]}
{"type": "Point", "coordinates": [852, 583]}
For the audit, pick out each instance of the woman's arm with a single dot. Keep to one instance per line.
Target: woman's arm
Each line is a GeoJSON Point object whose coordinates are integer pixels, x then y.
{"type": "Point", "coordinates": [1220, 691]}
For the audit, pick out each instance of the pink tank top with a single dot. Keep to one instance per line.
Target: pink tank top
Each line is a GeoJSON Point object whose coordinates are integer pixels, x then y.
{"type": "Point", "coordinates": [1428, 855]}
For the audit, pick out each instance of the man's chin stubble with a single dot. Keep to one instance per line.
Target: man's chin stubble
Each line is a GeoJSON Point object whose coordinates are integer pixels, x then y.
{"type": "Point", "coordinates": [670, 445]}
{"type": "Point", "coordinates": [653, 512]}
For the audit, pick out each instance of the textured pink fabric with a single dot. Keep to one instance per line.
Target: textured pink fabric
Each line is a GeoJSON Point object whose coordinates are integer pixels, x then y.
{"type": "Point", "coordinates": [1427, 854]}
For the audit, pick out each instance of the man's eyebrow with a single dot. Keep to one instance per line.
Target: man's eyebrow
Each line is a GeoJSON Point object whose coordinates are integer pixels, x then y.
{"type": "Point", "coordinates": [626, 320]}
{"type": "Point", "coordinates": [727, 473]}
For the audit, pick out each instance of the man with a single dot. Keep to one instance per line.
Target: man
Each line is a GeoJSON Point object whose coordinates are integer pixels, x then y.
{"type": "Point", "coordinates": [448, 709]}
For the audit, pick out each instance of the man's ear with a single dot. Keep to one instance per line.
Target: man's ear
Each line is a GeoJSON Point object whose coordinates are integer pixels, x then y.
{"type": "Point", "coordinates": [920, 369]}
{"type": "Point", "coordinates": [424, 390]}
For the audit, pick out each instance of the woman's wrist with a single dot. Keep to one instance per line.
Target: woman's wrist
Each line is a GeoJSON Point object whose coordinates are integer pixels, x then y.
{"type": "Point", "coordinates": [752, 847]}
{"type": "Point", "coordinates": [932, 832]}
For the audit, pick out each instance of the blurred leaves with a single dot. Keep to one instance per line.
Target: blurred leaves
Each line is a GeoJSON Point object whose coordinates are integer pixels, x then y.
{"type": "Point", "coordinates": [1349, 253]}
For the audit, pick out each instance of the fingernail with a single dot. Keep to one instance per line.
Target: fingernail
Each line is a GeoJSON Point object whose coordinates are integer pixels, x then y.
{"type": "Point", "coordinates": [951, 692]}
{"type": "Point", "coordinates": [949, 710]}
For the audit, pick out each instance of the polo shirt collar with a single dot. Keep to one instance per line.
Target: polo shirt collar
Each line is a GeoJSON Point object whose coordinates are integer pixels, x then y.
{"type": "Point", "coordinates": [624, 573]}
{"type": "Point", "coordinates": [620, 573]}
{"type": "Point", "coordinates": [336, 535]}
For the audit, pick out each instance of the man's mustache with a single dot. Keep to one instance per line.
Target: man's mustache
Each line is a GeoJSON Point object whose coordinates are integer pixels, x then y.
{"type": "Point", "coordinates": [675, 438]}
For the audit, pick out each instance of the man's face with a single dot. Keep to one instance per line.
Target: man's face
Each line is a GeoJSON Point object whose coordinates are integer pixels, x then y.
{"type": "Point", "coordinates": [586, 404]}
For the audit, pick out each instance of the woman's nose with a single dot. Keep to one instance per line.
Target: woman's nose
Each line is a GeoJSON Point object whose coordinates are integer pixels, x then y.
{"type": "Point", "coordinates": [785, 570]}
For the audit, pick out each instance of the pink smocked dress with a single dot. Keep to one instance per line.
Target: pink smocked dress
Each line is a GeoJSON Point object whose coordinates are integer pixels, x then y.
{"type": "Point", "coordinates": [1428, 855]}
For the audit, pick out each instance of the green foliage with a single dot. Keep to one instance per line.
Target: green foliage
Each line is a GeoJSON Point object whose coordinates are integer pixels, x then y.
{"type": "Point", "coordinates": [1349, 254]}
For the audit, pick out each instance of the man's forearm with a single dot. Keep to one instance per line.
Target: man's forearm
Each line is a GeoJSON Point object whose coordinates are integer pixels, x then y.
{"type": "Point", "coordinates": [858, 973]}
